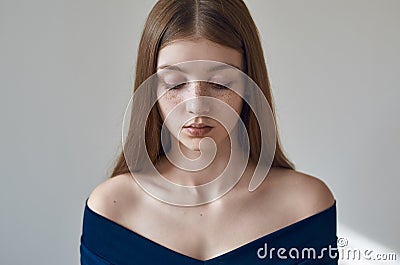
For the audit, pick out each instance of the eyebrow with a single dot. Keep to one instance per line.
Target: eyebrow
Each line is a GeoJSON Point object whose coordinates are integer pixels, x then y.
{"type": "Point", "coordinates": [216, 68]}
{"type": "Point", "coordinates": [172, 68]}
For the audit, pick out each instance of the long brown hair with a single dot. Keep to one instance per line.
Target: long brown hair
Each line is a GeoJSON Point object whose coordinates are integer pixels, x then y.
{"type": "Point", "coordinates": [226, 22]}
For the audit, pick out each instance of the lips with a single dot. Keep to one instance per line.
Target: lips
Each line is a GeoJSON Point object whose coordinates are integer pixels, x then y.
{"type": "Point", "coordinates": [197, 125]}
{"type": "Point", "coordinates": [198, 129]}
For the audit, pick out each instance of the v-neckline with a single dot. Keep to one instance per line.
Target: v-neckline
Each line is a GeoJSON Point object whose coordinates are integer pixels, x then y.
{"type": "Point", "coordinates": [236, 249]}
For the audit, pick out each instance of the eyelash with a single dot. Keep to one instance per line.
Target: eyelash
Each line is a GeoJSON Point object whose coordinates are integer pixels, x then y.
{"type": "Point", "coordinates": [215, 85]}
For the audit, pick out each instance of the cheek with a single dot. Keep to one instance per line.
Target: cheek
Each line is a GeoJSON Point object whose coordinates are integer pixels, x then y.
{"type": "Point", "coordinates": [232, 99]}
{"type": "Point", "coordinates": [167, 102]}
{"type": "Point", "coordinates": [173, 98]}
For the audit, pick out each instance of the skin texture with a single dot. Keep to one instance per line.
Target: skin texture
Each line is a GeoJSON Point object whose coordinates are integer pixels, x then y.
{"type": "Point", "coordinates": [285, 196]}
{"type": "Point", "coordinates": [193, 107]}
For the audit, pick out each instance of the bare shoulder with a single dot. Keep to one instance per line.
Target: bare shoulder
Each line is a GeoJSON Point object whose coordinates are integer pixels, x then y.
{"type": "Point", "coordinates": [113, 196]}
{"type": "Point", "coordinates": [305, 194]}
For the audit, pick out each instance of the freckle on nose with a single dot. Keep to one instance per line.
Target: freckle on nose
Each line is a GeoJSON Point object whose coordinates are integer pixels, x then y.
{"type": "Point", "coordinates": [201, 88]}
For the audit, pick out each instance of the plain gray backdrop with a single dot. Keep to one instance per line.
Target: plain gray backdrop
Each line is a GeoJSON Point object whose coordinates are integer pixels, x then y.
{"type": "Point", "coordinates": [67, 70]}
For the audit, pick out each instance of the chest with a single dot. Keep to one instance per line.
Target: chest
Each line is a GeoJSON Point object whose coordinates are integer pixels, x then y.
{"type": "Point", "coordinates": [203, 232]}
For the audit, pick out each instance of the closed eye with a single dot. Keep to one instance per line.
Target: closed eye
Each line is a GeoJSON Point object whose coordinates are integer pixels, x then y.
{"type": "Point", "coordinates": [176, 86]}
{"type": "Point", "coordinates": [220, 86]}
{"type": "Point", "coordinates": [213, 85]}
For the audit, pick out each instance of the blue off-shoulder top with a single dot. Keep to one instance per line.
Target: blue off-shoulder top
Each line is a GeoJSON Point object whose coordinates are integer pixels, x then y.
{"type": "Point", "coordinates": [309, 241]}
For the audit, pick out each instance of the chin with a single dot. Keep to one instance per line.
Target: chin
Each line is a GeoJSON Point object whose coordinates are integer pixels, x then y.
{"type": "Point", "coordinates": [193, 145]}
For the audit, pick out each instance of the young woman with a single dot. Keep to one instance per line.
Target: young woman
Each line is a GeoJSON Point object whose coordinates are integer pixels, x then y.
{"type": "Point", "coordinates": [156, 207]}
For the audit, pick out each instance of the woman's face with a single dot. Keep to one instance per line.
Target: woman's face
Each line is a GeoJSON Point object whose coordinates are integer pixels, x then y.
{"type": "Point", "coordinates": [191, 106]}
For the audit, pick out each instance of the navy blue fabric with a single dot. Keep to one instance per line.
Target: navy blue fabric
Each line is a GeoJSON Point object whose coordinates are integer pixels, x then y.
{"type": "Point", "coordinates": [105, 242]}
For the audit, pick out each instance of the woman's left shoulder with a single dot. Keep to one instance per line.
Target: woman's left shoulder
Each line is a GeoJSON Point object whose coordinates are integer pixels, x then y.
{"type": "Point", "coordinates": [306, 193]}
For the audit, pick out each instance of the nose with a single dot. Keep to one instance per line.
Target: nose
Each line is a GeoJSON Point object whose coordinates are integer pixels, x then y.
{"type": "Point", "coordinates": [197, 99]}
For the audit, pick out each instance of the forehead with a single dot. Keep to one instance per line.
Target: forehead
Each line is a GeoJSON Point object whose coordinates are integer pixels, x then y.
{"type": "Point", "coordinates": [200, 49]}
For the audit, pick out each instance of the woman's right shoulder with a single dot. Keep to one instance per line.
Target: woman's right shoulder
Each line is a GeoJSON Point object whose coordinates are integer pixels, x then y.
{"type": "Point", "coordinates": [114, 196]}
